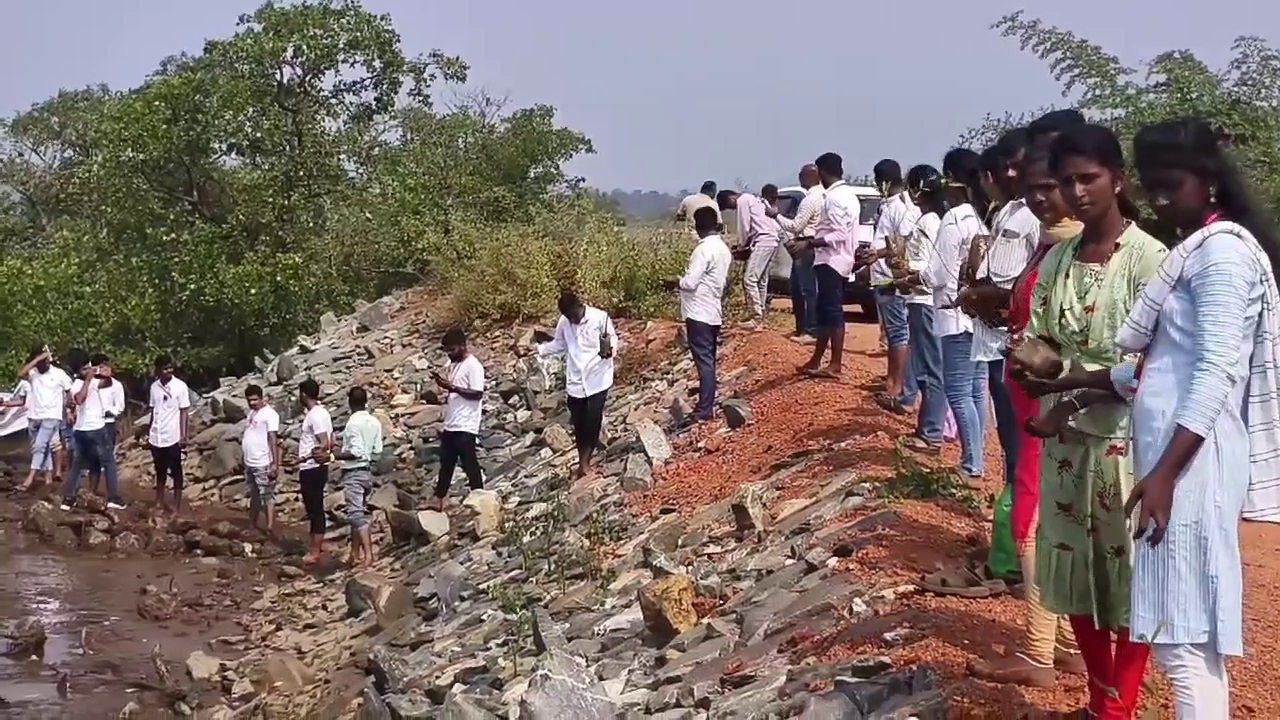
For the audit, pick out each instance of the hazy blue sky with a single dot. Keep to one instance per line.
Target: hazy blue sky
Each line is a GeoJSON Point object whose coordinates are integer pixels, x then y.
{"type": "Point", "coordinates": [675, 92]}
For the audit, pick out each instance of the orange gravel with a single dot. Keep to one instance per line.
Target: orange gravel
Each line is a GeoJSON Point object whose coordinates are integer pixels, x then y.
{"type": "Point", "coordinates": [944, 632]}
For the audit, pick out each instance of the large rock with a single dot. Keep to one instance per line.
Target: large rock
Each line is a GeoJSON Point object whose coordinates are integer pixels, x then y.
{"type": "Point", "coordinates": [737, 413]}
{"type": "Point", "coordinates": [41, 519]}
{"type": "Point", "coordinates": [283, 672]}
{"type": "Point", "coordinates": [557, 438]}
{"type": "Point", "coordinates": [749, 512]}
{"type": "Point", "coordinates": [637, 476]}
{"type": "Point", "coordinates": [563, 689]}
{"type": "Point", "coordinates": [488, 509]}
{"type": "Point", "coordinates": [424, 524]}
{"type": "Point", "coordinates": [23, 637]}
{"type": "Point", "coordinates": [202, 667]}
{"type": "Point", "coordinates": [388, 599]}
{"type": "Point", "coordinates": [654, 441]}
{"type": "Point", "coordinates": [225, 459]}
{"type": "Point", "coordinates": [667, 606]}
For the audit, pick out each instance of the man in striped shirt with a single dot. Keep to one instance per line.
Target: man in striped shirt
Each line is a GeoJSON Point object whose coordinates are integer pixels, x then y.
{"type": "Point", "coordinates": [804, 285]}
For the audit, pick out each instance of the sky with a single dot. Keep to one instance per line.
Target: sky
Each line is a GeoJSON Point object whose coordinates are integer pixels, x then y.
{"type": "Point", "coordinates": [672, 93]}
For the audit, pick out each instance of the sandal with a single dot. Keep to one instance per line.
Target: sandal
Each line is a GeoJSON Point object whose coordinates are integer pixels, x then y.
{"type": "Point", "coordinates": [963, 582]}
{"type": "Point", "coordinates": [918, 445]}
{"type": "Point", "coordinates": [890, 404]}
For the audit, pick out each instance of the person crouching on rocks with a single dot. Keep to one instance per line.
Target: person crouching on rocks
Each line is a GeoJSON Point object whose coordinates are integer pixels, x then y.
{"type": "Point", "coordinates": [261, 445]}
{"type": "Point", "coordinates": [361, 444]}
{"type": "Point", "coordinates": [315, 451]}
{"type": "Point", "coordinates": [465, 388]}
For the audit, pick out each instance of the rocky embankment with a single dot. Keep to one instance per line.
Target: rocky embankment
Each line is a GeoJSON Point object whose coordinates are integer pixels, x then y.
{"type": "Point", "coordinates": [534, 598]}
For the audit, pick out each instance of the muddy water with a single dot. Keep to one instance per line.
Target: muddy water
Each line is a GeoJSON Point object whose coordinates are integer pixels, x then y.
{"type": "Point", "coordinates": [87, 605]}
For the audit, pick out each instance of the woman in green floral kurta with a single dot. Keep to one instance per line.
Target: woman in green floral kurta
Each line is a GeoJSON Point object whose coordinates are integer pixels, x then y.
{"type": "Point", "coordinates": [1085, 290]}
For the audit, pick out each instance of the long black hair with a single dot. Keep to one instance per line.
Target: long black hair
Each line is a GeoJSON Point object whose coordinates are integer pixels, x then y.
{"type": "Point", "coordinates": [963, 166]}
{"type": "Point", "coordinates": [1099, 144]}
{"type": "Point", "coordinates": [1193, 145]}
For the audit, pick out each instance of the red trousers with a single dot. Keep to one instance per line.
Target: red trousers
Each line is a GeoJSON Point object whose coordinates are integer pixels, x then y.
{"type": "Point", "coordinates": [1026, 476]}
{"type": "Point", "coordinates": [1115, 671]}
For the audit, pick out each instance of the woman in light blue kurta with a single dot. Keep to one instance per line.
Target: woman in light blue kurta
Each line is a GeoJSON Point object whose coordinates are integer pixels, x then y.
{"type": "Point", "coordinates": [1204, 413]}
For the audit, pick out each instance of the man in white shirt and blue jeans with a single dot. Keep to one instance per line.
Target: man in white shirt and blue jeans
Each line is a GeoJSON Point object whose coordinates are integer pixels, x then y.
{"type": "Point", "coordinates": [701, 303]}
{"type": "Point", "coordinates": [361, 447]}
{"type": "Point", "coordinates": [585, 336]}
{"type": "Point", "coordinates": [47, 390]}
{"type": "Point", "coordinates": [95, 395]}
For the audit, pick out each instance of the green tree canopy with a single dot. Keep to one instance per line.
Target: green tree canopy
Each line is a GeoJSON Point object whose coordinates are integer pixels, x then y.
{"type": "Point", "coordinates": [1243, 98]}
{"type": "Point", "coordinates": [216, 210]}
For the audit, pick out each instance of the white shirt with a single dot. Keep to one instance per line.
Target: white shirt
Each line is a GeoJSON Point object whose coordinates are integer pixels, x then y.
{"type": "Point", "coordinates": [47, 394]}
{"type": "Point", "coordinates": [98, 401]}
{"type": "Point", "coordinates": [692, 203]}
{"type": "Point", "coordinates": [898, 216]}
{"type": "Point", "coordinates": [919, 251]}
{"type": "Point", "coordinates": [1015, 232]}
{"type": "Point", "coordinates": [362, 438]}
{"type": "Point", "coordinates": [316, 423]}
{"type": "Point", "coordinates": [585, 372]}
{"type": "Point", "coordinates": [256, 442]}
{"type": "Point", "coordinates": [960, 225]}
{"type": "Point", "coordinates": [838, 226]}
{"type": "Point", "coordinates": [463, 414]}
{"type": "Point", "coordinates": [167, 403]}
{"type": "Point", "coordinates": [806, 220]}
{"type": "Point", "coordinates": [702, 285]}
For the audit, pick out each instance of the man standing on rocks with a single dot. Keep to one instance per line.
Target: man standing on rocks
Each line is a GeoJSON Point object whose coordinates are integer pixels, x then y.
{"type": "Point", "coordinates": [261, 446]}
{"type": "Point", "coordinates": [93, 398]}
{"type": "Point", "coordinates": [834, 245]}
{"type": "Point", "coordinates": [361, 446]}
{"type": "Point", "coordinates": [315, 451]}
{"type": "Point", "coordinates": [46, 401]}
{"type": "Point", "coordinates": [170, 403]}
{"type": "Point", "coordinates": [465, 388]}
{"type": "Point", "coordinates": [113, 399]}
{"type": "Point", "coordinates": [701, 303]}
{"type": "Point", "coordinates": [585, 336]}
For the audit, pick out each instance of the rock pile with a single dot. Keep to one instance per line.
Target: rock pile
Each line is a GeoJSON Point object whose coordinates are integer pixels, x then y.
{"type": "Point", "coordinates": [538, 598]}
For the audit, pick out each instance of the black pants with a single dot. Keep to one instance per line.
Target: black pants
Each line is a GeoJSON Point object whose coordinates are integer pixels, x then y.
{"type": "Point", "coordinates": [168, 463]}
{"type": "Point", "coordinates": [704, 341]}
{"type": "Point", "coordinates": [458, 447]}
{"type": "Point", "coordinates": [313, 481]}
{"type": "Point", "coordinates": [587, 417]}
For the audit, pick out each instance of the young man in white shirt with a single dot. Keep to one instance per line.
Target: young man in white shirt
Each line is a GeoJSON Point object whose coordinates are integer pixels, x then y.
{"type": "Point", "coordinates": [95, 394]}
{"type": "Point", "coordinates": [804, 286]}
{"type": "Point", "coordinates": [114, 404]}
{"type": "Point", "coordinates": [361, 446]}
{"type": "Point", "coordinates": [898, 217]}
{"type": "Point", "coordinates": [261, 449]}
{"type": "Point", "coordinates": [464, 386]}
{"type": "Point", "coordinates": [315, 452]}
{"type": "Point", "coordinates": [702, 305]}
{"type": "Point", "coordinates": [48, 388]}
{"type": "Point", "coordinates": [834, 244]}
{"type": "Point", "coordinates": [585, 336]}
{"type": "Point", "coordinates": [170, 403]}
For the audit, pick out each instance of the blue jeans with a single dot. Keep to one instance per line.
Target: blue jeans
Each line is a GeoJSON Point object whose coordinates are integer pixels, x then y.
{"type": "Point", "coordinates": [892, 309]}
{"type": "Point", "coordinates": [1006, 419]}
{"type": "Point", "coordinates": [804, 293]}
{"type": "Point", "coordinates": [966, 388]}
{"type": "Point", "coordinates": [93, 447]}
{"type": "Point", "coordinates": [42, 434]}
{"type": "Point", "coordinates": [703, 341]}
{"type": "Point", "coordinates": [926, 368]}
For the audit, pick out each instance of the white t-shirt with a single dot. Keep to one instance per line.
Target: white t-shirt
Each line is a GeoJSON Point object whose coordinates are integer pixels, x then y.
{"type": "Point", "coordinates": [92, 413]}
{"type": "Point", "coordinates": [462, 414]}
{"type": "Point", "coordinates": [256, 443]}
{"type": "Point", "coordinates": [24, 391]}
{"type": "Point", "coordinates": [317, 422]}
{"type": "Point", "coordinates": [47, 394]}
{"type": "Point", "coordinates": [167, 403]}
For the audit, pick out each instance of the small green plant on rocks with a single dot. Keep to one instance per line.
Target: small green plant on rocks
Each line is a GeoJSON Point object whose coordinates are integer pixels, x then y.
{"type": "Point", "coordinates": [913, 481]}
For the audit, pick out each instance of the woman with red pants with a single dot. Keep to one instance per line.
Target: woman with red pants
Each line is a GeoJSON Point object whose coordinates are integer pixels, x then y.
{"type": "Point", "coordinates": [1049, 644]}
{"type": "Point", "coordinates": [1086, 288]}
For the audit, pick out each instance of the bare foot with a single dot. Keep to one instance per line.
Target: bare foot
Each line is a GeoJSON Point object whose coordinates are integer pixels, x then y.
{"type": "Point", "coordinates": [310, 560]}
{"type": "Point", "coordinates": [436, 504]}
{"type": "Point", "coordinates": [25, 486]}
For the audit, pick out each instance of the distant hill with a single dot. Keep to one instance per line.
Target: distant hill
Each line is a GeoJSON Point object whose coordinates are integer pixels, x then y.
{"type": "Point", "coordinates": [644, 204]}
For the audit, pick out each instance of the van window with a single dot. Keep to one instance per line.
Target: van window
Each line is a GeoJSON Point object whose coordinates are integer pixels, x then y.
{"type": "Point", "coordinates": [870, 206]}
{"type": "Point", "coordinates": [788, 205]}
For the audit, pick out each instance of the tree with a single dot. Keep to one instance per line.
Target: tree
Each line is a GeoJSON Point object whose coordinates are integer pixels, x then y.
{"type": "Point", "coordinates": [1243, 98]}
{"type": "Point", "coordinates": [216, 210]}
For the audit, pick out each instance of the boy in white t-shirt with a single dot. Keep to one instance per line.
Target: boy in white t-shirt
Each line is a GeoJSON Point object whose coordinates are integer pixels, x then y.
{"type": "Point", "coordinates": [315, 452]}
{"type": "Point", "coordinates": [170, 402]}
{"type": "Point", "coordinates": [465, 388]}
{"type": "Point", "coordinates": [261, 446]}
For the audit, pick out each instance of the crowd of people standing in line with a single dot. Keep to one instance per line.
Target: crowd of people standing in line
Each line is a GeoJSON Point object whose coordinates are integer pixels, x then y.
{"type": "Point", "coordinates": [1133, 381]}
